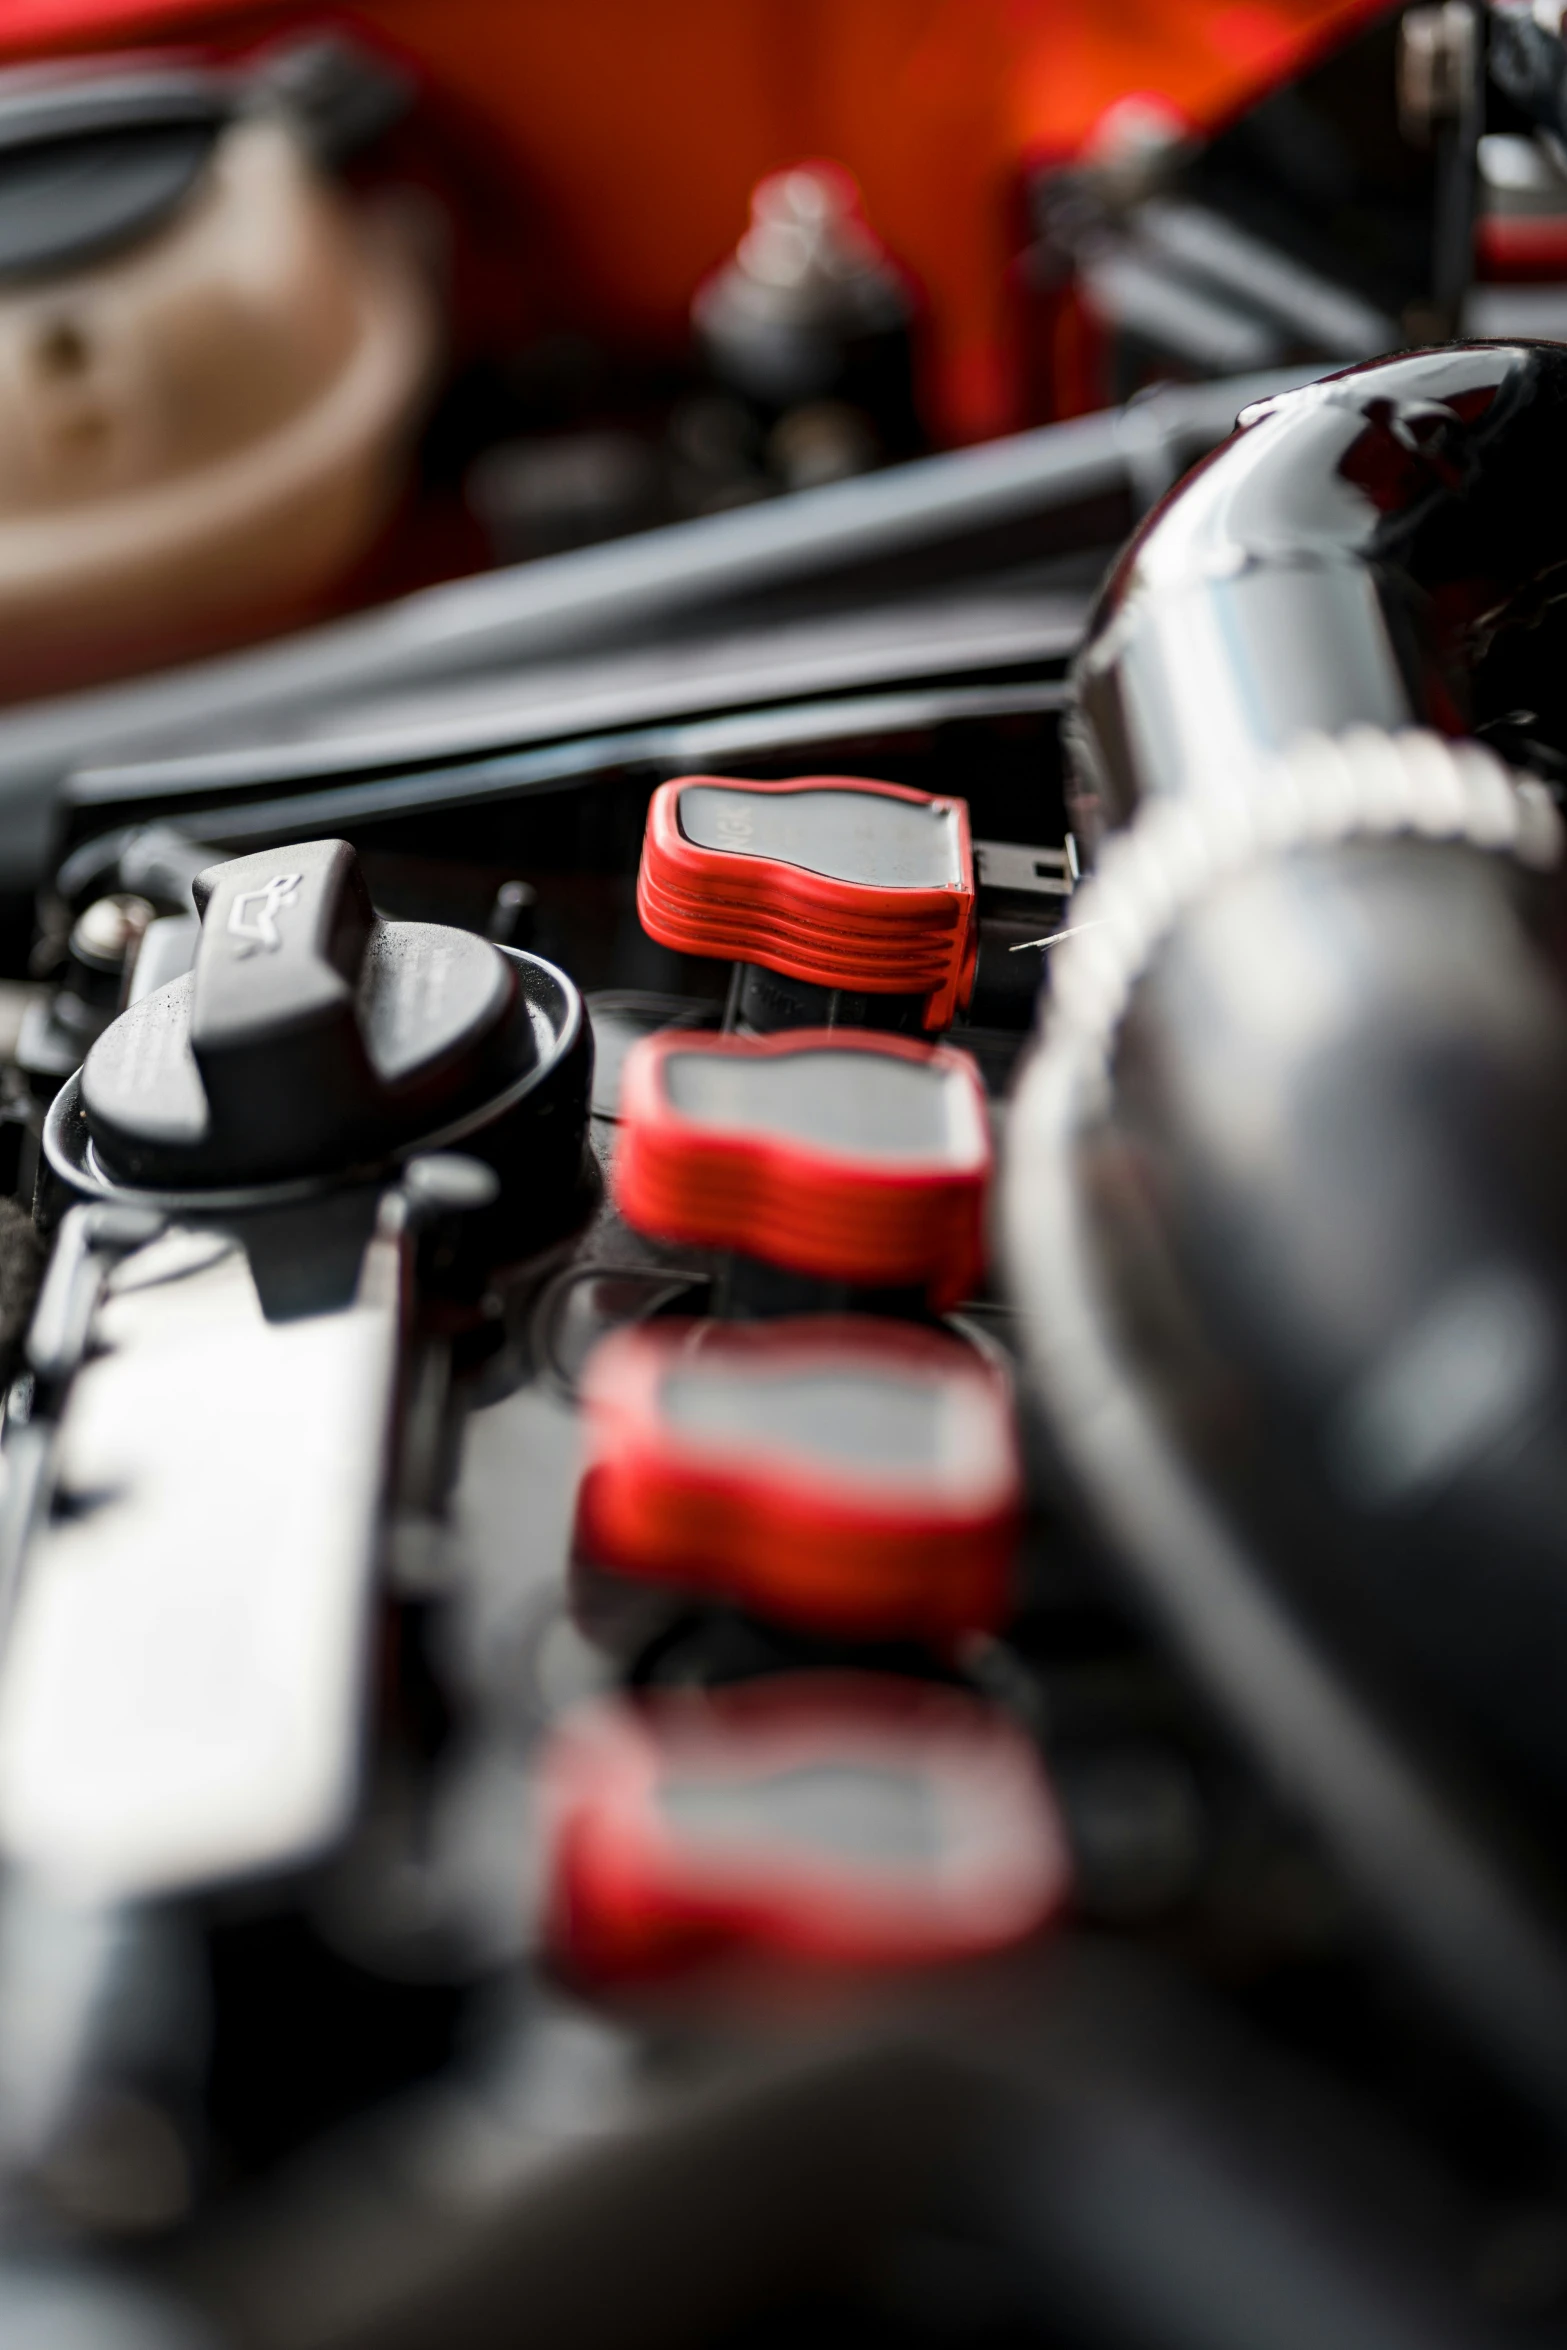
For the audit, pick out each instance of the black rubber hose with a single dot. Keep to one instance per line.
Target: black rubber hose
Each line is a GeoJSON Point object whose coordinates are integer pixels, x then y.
{"type": "Point", "coordinates": [1286, 1194]}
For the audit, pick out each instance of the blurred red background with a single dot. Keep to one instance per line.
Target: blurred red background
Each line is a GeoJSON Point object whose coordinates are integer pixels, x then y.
{"type": "Point", "coordinates": [640, 126]}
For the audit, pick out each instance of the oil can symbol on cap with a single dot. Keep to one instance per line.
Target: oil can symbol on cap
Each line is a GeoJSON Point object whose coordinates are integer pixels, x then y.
{"type": "Point", "coordinates": [260, 929]}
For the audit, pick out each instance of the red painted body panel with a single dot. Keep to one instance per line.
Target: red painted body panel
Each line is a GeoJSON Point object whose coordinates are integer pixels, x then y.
{"type": "Point", "coordinates": [638, 131]}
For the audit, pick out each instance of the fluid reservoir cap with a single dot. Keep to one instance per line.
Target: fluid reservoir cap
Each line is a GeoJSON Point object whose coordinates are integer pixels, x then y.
{"type": "Point", "coordinates": [833, 1152]}
{"type": "Point", "coordinates": [837, 1819]}
{"type": "Point", "coordinates": [311, 1034]}
{"type": "Point", "coordinates": [852, 1476]}
{"type": "Point", "coordinates": [836, 880]}
{"type": "Point", "coordinates": [93, 162]}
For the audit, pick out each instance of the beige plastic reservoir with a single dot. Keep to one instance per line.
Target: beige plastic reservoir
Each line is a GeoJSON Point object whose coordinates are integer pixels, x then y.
{"type": "Point", "coordinates": [201, 433]}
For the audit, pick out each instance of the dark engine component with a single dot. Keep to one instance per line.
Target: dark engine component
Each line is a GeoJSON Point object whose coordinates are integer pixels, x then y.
{"type": "Point", "coordinates": [1332, 217]}
{"type": "Point", "coordinates": [811, 323]}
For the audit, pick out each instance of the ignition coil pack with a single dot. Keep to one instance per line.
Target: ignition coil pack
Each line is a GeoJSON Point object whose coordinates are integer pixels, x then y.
{"type": "Point", "coordinates": [853, 887]}
{"type": "Point", "coordinates": [857, 1159]}
{"type": "Point", "coordinates": [836, 1821]}
{"type": "Point", "coordinates": [854, 1476]}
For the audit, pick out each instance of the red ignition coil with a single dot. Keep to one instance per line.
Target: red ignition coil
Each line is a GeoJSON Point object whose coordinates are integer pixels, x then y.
{"type": "Point", "coordinates": [846, 1820]}
{"type": "Point", "coordinates": [830, 879]}
{"type": "Point", "coordinates": [856, 1477]}
{"type": "Point", "coordinates": [853, 1158]}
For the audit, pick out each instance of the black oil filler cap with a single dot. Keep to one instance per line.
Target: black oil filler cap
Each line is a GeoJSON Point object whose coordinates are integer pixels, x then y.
{"type": "Point", "coordinates": [312, 1034]}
